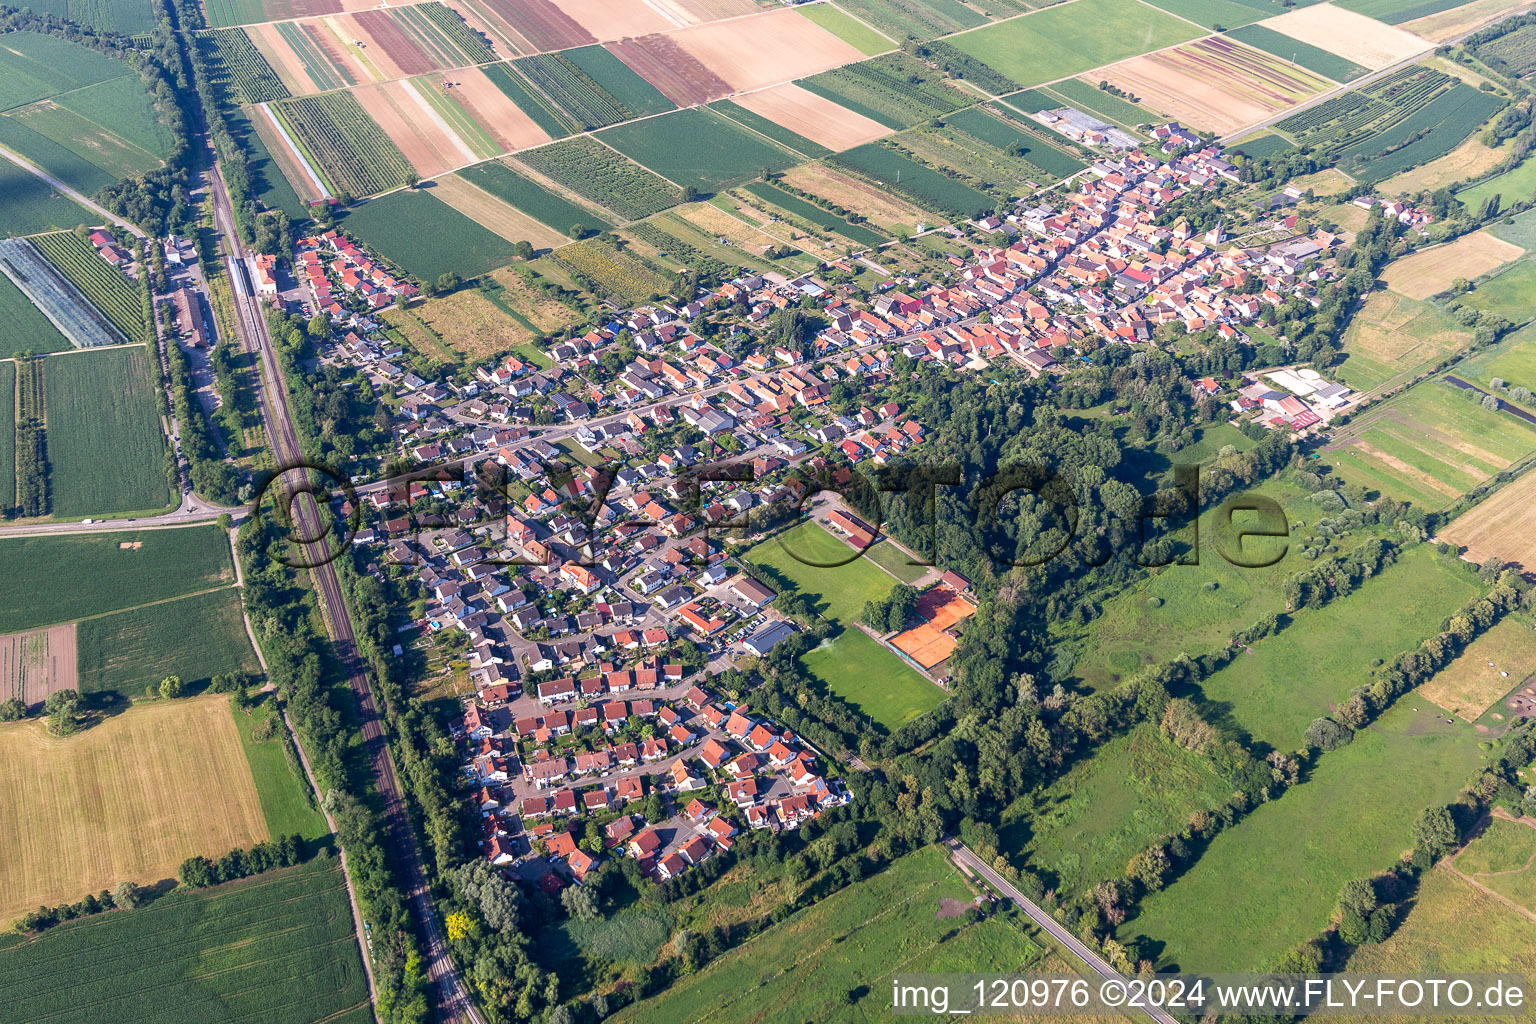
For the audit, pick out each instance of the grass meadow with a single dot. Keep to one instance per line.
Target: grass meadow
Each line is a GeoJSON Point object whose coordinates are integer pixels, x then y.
{"type": "Point", "coordinates": [804, 967]}
{"type": "Point", "coordinates": [838, 591]}
{"type": "Point", "coordinates": [286, 800]}
{"type": "Point", "coordinates": [1085, 826]}
{"type": "Point", "coordinates": [279, 947]}
{"type": "Point", "coordinates": [106, 452]}
{"type": "Point", "coordinates": [62, 578]}
{"type": "Point", "coordinates": [1503, 858]}
{"type": "Point", "coordinates": [195, 638]}
{"type": "Point", "coordinates": [1394, 335]}
{"type": "Point", "coordinates": [872, 679]}
{"type": "Point", "coordinates": [1273, 879]}
{"type": "Point", "coordinates": [1508, 294]}
{"type": "Point", "coordinates": [1492, 665]}
{"type": "Point", "coordinates": [1273, 693]}
{"type": "Point", "coordinates": [1513, 186]}
{"type": "Point", "coordinates": [1512, 360]}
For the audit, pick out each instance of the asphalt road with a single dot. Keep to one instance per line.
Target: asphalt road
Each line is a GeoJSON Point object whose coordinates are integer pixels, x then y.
{"type": "Point", "coordinates": [1095, 963]}
{"type": "Point", "coordinates": [452, 998]}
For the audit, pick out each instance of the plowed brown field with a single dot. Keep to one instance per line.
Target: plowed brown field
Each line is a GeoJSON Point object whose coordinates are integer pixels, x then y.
{"type": "Point", "coordinates": [815, 117]}
{"type": "Point", "coordinates": [766, 49]}
{"type": "Point", "coordinates": [676, 73]}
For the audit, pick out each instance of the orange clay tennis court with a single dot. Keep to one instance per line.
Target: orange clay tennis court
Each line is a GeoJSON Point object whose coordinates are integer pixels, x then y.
{"type": "Point", "coordinates": [941, 607]}
{"type": "Point", "coordinates": [924, 644]}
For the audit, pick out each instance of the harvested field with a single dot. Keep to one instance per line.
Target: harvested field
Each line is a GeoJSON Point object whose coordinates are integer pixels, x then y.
{"type": "Point", "coordinates": [1431, 271]}
{"type": "Point", "coordinates": [766, 49]}
{"type": "Point", "coordinates": [676, 73]}
{"type": "Point", "coordinates": [391, 50]}
{"type": "Point", "coordinates": [624, 19]}
{"type": "Point", "coordinates": [419, 132]}
{"type": "Point", "coordinates": [1365, 41]}
{"type": "Point", "coordinates": [877, 205]}
{"type": "Point", "coordinates": [1502, 526]}
{"type": "Point", "coordinates": [35, 664]}
{"type": "Point", "coordinates": [113, 802]}
{"type": "Point", "coordinates": [543, 25]}
{"type": "Point", "coordinates": [1216, 83]}
{"type": "Point", "coordinates": [815, 117]}
{"type": "Point", "coordinates": [714, 10]}
{"type": "Point", "coordinates": [1491, 666]}
{"type": "Point", "coordinates": [491, 107]}
{"type": "Point", "coordinates": [488, 211]}
{"type": "Point", "coordinates": [1459, 21]}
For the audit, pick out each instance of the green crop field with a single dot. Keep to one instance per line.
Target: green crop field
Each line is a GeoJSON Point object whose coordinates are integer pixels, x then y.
{"type": "Point", "coordinates": [426, 237]}
{"type": "Point", "coordinates": [287, 803]}
{"type": "Point", "coordinates": [574, 92]}
{"type": "Point", "coordinates": [517, 89]}
{"type": "Point", "coordinates": [1275, 692]}
{"type": "Point", "coordinates": [852, 940]}
{"type": "Point", "coordinates": [1260, 146]}
{"type": "Point", "coordinates": [612, 272]}
{"type": "Point", "coordinates": [528, 196]}
{"type": "Point", "coordinates": [195, 638]}
{"type": "Point", "coordinates": [876, 682]}
{"type": "Point", "coordinates": [778, 133]}
{"type": "Point", "coordinates": [34, 66]}
{"type": "Point", "coordinates": [106, 287]}
{"type": "Point", "coordinates": [28, 204]}
{"type": "Point", "coordinates": [1211, 13]}
{"type": "Point", "coordinates": [1109, 807]}
{"type": "Point", "coordinates": [922, 19]}
{"type": "Point", "coordinates": [619, 80]}
{"type": "Point", "coordinates": [1273, 879]}
{"type": "Point", "coordinates": [350, 148]}
{"type": "Point", "coordinates": [106, 452]}
{"type": "Point", "coordinates": [600, 175]}
{"type": "Point", "coordinates": [1508, 294]}
{"type": "Point", "coordinates": [7, 437]}
{"type": "Point", "coordinates": [1313, 58]}
{"type": "Point", "coordinates": [480, 141]}
{"type": "Point", "coordinates": [125, 17]}
{"type": "Point", "coordinates": [236, 64]}
{"type": "Point", "coordinates": [914, 182]}
{"type": "Point", "coordinates": [26, 328]}
{"type": "Point", "coordinates": [838, 591]}
{"type": "Point", "coordinates": [120, 110]}
{"type": "Point", "coordinates": [1428, 445]}
{"type": "Point", "coordinates": [81, 175]}
{"type": "Point", "coordinates": [442, 34]}
{"type": "Point", "coordinates": [809, 211]}
{"type": "Point", "coordinates": [63, 578]}
{"type": "Point", "coordinates": [698, 148]}
{"type": "Point", "coordinates": [850, 30]}
{"type": "Point", "coordinates": [279, 947]}
{"type": "Point", "coordinates": [1072, 38]}
{"type": "Point", "coordinates": [235, 12]}
{"type": "Point", "coordinates": [895, 90]}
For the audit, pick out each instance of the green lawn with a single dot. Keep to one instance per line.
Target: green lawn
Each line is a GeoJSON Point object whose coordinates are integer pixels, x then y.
{"type": "Point", "coordinates": [277, 947]}
{"type": "Point", "coordinates": [803, 968]}
{"type": "Point", "coordinates": [62, 578]}
{"type": "Point", "coordinates": [286, 803]}
{"type": "Point", "coordinates": [195, 638]}
{"type": "Point", "coordinates": [850, 30]}
{"type": "Point", "coordinates": [1275, 692]}
{"type": "Point", "coordinates": [1073, 38]}
{"type": "Point", "coordinates": [895, 561]}
{"type": "Point", "coordinates": [1273, 880]}
{"type": "Point", "coordinates": [1085, 826]}
{"type": "Point", "coordinates": [839, 591]}
{"type": "Point", "coordinates": [872, 679]}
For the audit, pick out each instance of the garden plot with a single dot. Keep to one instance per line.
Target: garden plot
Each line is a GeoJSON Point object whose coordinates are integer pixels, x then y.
{"type": "Point", "coordinates": [35, 664]}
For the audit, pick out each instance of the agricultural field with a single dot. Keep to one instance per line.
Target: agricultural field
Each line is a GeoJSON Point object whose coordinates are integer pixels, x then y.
{"type": "Point", "coordinates": [850, 30]}
{"type": "Point", "coordinates": [698, 148]}
{"type": "Point", "coordinates": [581, 99]}
{"type": "Point", "coordinates": [492, 109]}
{"type": "Point", "coordinates": [1274, 693]}
{"type": "Point", "coordinates": [1494, 664]}
{"type": "Point", "coordinates": [1288, 858]}
{"type": "Point", "coordinates": [335, 133]}
{"type": "Point", "coordinates": [1088, 97]}
{"type": "Point", "coordinates": [637, 95]}
{"type": "Point", "coordinates": [1432, 271]}
{"type": "Point", "coordinates": [113, 125]}
{"type": "Point", "coordinates": [125, 17]}
{"type": "Point", "coordinates": [873, 681]}
{"type": "Point", "coordinates": [1353, 37]}
{"type": "Point", "coordinates": [223, 13]}
{"type": "Point", "coordinates": [277, 947]}
{"type": "Point", "coordinates": [1434, 110]}
{"type": "Point", "coordinates": [549, 118]}
{"type": "Point", "coordinates": [37, 663]}
{"type": "Point", "coordinates": [1395, 12]}
{"type": "Point", "coordinates": [28, 204]}
{"type": "Point", "coordinates": [1216, 84]}
{"type": "Point", "coordinates": [106, 452]}
{"type": "Point", "coordinates": [612, 272]}
{"type": "Point", "coordinates": [882, 209]}
{"type": "Point", "coordinates": [917, 18]}
{"type": "Point", "coordinates": [1429, 445]}
{"type": "Point", "coordinates": [1513, 186]}
{"type": "Point", "coordinates": [1392, 335]}
{"type": "Point", "coordinates": [603, 176]}
{"type": "Point", "coordinates": [287, 803]}
{"type": "Point", "coordinates": [800, 119]}
{"type": "Point", "coordinates": [674, 72]}
{"type": "Point", "coordinates": [462, 128]}
{"type": "Point", "coordinates": [426, 237]}
{"type": "Point", "coordinates": [1514, 53]}
{"type": "Point", "coordinates": [764, 49]}
{"type": "Point", "coordinates": [490, 212]}
{"type": "Point", "coordinates": [195, 638]}
{"type": "Point", "coordinates": [896, 91]}
{"type": "Point", "coordinates": [1068, 39]}
{"type": "Point", "coordinates": [1313, 58]}
{"type": "Point", "coordinates": [851, 941]}
{"type": "Point", "coordinates": [93, 574]}
{"type": "Point", "coordinates": [102, 284]}
{"type": "Point", "coordinates": [730, 238]}
{"type": "Point", "coordinates": [839, 592]}
{"type": "Point", "coordinates": [1224, 14]}
{"type": "Point", "coordinates": [263, 146]}
{"type": "Point", "coordinates": [236, 65]}
{"type": "Point", "coordinates": [470, 324]}
{"type": "Point", "coordinates": [419, 122]}
{"type": "Point", "coordinates": [890, 170]}
{"type": "Point", "coordinates": [34, 66]}
{"type": "Point", "coordinates": [549, 208]}
{"type": "Point", "coordinates": [808, 211]}
{"type": "Point", "coordinates": [1499, 526]}
{"type": "Point", "coordinates": [1503, 858]}
{"type": "Point", "coordinates": [27, 330]}
{"type": "Point", "coordinates": [1443, 25]}
{"type": "Point", "coordinates": [131, 770]}
{"type": "Point", "coordinates": [1467, 160]}
{"type": "Point", "coordinates": [1081, 829]}
{"type": "Point", "coordinates": [1507, 293]}
{"type": "Point", "coordinates": [309, 56]}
